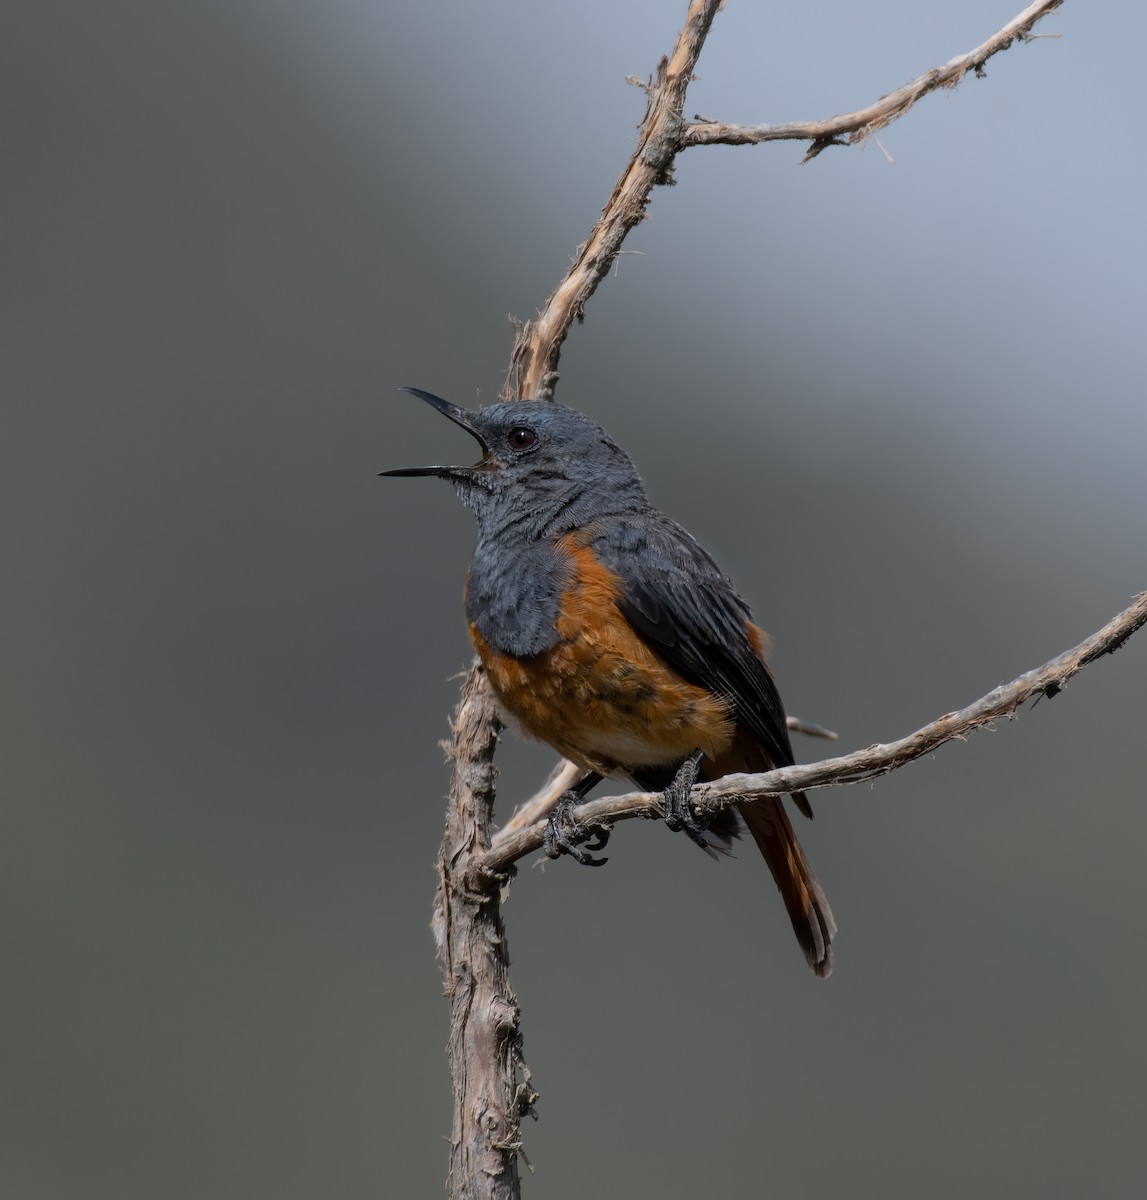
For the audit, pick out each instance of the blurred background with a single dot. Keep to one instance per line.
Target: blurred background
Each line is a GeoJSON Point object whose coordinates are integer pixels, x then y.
{"type": "Point", "coordinates": [903, 406]}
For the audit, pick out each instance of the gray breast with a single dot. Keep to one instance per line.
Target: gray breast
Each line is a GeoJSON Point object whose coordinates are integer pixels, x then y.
{"type": "Point", "coordinates": [514, 596]}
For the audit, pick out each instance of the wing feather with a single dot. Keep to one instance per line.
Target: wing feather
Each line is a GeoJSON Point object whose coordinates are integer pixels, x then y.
{"type": "Point", "coordinates": [680, 603]}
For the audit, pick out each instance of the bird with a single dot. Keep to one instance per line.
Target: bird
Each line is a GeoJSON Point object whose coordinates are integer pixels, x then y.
{"type": "Point", "coordinates": [608, 632]}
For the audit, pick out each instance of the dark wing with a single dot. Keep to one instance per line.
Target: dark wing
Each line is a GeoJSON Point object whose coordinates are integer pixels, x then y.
{"type": "Point", "coordinates": [678, 601]}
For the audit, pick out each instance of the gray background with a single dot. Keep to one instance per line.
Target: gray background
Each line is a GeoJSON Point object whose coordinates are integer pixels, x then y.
{"type": "Point", "coordinates": [901, 404]}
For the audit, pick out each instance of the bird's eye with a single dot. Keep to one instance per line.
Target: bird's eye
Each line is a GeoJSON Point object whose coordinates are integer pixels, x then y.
{"type": "Point", "coordinates": [522, 438]}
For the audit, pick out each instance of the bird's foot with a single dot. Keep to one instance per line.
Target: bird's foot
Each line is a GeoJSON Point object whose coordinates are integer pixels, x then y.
{"type": "Point", "coordinates": [565, 835]}
{"type": "Point", "coordinates": [679, 812]}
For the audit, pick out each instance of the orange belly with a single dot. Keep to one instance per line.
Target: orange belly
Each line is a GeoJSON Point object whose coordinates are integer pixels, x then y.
{"type": "Point", "coordinates": [600, 696]}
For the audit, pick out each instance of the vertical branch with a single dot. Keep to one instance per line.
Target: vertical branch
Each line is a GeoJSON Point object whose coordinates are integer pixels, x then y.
{"type": "Point", "coordinates": [491, 1082]}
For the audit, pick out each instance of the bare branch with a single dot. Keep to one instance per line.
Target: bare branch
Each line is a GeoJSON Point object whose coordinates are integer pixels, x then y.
{"type": "Point", "coordinates": [711, 798]}
{"type": "Point", "coordinates": [809, 729]}
{"type": "Point", "coordinates": [533, 363]}
{"type": "Point", "coordinates": [491, 1082]}
{"type": "Point", "coordinates": [852, 127]}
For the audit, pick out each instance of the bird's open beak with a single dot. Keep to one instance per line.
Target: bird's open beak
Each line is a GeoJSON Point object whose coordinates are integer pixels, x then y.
{"type": "Point", "coordinates": [460, 417]}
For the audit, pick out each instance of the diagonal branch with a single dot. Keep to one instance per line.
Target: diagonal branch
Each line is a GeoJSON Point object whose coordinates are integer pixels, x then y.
{"type": "Point", "coordinates": [852, 127]}
{"type": "Point", "coordinates": [533, 362]}
{"type": "Point", "coordinates": [711, 798]}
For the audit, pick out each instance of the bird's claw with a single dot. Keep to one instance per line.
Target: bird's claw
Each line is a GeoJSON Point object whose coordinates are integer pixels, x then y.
{"type": "Point", "coordinates": [564, 835]}
{"type": "Point", "coordinates": [679, 812]}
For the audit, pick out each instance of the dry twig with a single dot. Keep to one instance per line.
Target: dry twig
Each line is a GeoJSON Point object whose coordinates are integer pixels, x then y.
{"type": "Point", "coordinates": [534, 359]}
{"type": "Point", "coordinates": [849, 128]}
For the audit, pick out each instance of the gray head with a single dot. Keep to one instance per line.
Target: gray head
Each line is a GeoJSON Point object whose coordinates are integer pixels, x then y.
{"type": "Point", "coordinates": [544, 468]}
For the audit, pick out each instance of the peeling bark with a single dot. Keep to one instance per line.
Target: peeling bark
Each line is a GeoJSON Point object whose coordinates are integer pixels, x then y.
{"type": "Point", "coordinates": [492, 1089]}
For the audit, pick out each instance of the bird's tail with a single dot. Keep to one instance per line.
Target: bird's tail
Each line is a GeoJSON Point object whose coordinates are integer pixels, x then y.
{"type": "Point", "coordinates": [803, 896]}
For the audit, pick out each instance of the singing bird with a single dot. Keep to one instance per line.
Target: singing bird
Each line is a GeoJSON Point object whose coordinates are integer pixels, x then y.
{"type": "Point", "coordinates": [609, 633]}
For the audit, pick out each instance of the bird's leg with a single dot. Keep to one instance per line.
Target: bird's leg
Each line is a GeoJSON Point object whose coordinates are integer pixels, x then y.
{"type": "Point", "coordinates": [679, 813]}
{"type": "Point", "coordinates": [563, 833]}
